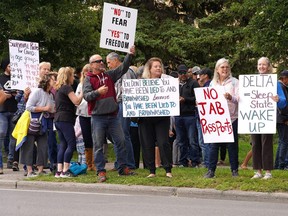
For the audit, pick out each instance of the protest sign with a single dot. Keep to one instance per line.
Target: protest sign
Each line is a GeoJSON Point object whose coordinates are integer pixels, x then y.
{"type": "Point", "coordinates": [257, 110]}
{"type": "Point", "coordinates": [24, 62]}
{"type": "Point", "coordinates": [214, 115]}
{"type": "Point", "coordinates": [118, 27]}
{"type": "Point", "coordinates": [150, 97]}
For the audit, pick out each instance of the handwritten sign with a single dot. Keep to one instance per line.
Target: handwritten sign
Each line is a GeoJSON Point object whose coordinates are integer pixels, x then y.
{"type": "Point", "coordinates": [214, 115]}
{"type": "Point", "coordinates": [118, 27]}
{"type": "Point", "coordinates": [24, 62]}
{"type": "Point", "coordinates": [257, 110]}
{"type": "Point", "coordinates": [150, 97]}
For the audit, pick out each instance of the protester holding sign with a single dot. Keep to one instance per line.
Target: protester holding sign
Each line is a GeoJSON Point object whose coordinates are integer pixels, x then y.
{"type": "Point", "coordinates": [113, 61]}
{"type": "Point", "coordinates": [223, 77]}
{"type": "Point", "coordinates": [155, 129]}
{"type": "Point", "coordinates": [99, 92]}
{"type": "Point", "coordinates": [262, 144]}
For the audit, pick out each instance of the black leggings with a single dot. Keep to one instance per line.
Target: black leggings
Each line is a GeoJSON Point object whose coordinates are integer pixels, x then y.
{"type": "Point", "coordinates": [85, 124]}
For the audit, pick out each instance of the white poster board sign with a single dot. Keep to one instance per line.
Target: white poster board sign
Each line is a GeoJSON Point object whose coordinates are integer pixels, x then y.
{"type": "Point", "coordinates": [118, 27]}
{"type": "Point", "coordinates": [257, 110]}
{"type": "Point", "coordinates": [150, 97]}
{"type": "Point", "coordinates": [24, 63]}
{"type": "Point", "coordinates": [214, 115]}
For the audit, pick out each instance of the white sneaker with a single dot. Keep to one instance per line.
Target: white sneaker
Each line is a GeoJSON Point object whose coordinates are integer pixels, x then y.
{"type": "Point", "coordinates": [267, 176]}
{"type": "Point", "coordinates": [257, 176]}
{"type": "Point", "coordinates": [31, 175]}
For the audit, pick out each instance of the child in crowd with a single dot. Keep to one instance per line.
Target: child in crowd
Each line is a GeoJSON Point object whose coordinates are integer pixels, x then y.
{"type": "Point", "coordinates": [79, 142]}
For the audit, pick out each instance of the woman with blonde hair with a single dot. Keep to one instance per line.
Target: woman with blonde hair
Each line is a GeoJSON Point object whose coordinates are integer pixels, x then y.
{"type": "Point", "coordinates": [65, 101]}
{"type": "Point", "coordinates": [223, 77]}
{"type": "Point", "coordinates": [262, 144]}
{"type": "Point", "coordinates": [44, 68]}
{"type": "Point", "coordinates": [85, 121]}
{"type": "Point", "coordinates": [155, 129]}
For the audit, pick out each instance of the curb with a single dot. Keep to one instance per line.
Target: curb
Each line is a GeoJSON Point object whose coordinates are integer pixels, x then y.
{"type": "Point", "coordinates": [145, 190]}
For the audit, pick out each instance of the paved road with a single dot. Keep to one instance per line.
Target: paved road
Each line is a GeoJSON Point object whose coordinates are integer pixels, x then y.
{"type": "Point", "coordinates": [29, 203]}
{"type": "Point", "coordinates": [15, 180]}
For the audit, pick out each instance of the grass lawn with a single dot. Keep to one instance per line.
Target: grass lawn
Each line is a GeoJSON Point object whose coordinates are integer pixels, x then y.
{"type": "Point", "coordinates": [192, 177]}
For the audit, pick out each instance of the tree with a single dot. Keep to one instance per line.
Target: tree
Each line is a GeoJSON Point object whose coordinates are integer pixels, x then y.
{"type": "Point", "coordinates": [67, 31]}
{"type": "Point", "coordinates": [197, 32]}
{"type": "Point", "coordinates": [268, 31]}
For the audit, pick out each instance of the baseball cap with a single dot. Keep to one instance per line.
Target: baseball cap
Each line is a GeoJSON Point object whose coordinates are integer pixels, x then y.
{"type": "Point", "coordinates": [207, 71]}
{"type": "Point", "coordinates": [182, 69]}
{"type": "Point", "coordinates": [195, 69]}
{"type": "Point", "coordinates": [284, 73]}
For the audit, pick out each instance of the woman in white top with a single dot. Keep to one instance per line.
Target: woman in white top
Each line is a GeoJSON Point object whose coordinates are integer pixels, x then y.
{"type": "Point", "coordinates": [223, 77]}
{"type": "Point", "coordinates": [85, 122]}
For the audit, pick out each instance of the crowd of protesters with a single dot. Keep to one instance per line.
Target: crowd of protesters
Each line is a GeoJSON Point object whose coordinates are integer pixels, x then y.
{"type": "Point", "coordinates": [96, 103]}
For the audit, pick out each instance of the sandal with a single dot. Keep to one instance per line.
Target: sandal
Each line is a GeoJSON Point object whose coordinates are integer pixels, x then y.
{"type": "Point", "coordinates": [152, 175]}
{"type": "Point", "coordinates": [169, 175]}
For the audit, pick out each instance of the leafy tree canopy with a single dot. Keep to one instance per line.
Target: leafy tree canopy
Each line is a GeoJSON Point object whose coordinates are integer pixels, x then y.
{"type": "Point", "coordinates": [197, 32]}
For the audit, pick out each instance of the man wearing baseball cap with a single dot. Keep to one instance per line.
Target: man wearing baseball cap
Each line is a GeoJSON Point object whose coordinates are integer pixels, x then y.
{"type": "Point", "coordinates": [186, 122]}
{"type": "Point", "coordinates": [204, 77]}
{"type": "Point", "coordinates": [195, 70]}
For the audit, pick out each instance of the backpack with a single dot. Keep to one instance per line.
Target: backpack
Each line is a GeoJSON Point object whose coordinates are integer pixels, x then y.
{"type": "Point", "coordinates": [77, 168]}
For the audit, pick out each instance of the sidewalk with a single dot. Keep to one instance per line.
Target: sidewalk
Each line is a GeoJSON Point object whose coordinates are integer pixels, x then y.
{"type": "Point", "coordinates": [16, 180]}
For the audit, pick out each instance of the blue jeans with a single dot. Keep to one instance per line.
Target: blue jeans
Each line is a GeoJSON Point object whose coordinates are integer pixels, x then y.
{"type": "Point", "coordinates": [187, 142]}
{"type": "Point", "coordinates": [6, 128]}
{"type": "Point", "coordinates": [232, 150]}
{"type": "Point", "coordinates": [52, 143]}
{"type": "Point", "coordinates": [276, 164]}
{"type": "Point", "coordinates": [282, 150]}
{"type": "Point", "coordinates": [80, 146]}
{"type": "Point", "coordinates": [108, 124]}
{"type": "Point", "coordinates": [125, 122]}
{"type": "Point", "coordinates": [205, 147]}
{"type": "Point", "coordinates": [175, 152]}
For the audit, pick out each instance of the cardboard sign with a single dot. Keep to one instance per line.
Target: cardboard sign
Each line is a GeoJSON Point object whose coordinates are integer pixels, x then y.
{"type": "Point", "coordinates": [24, 63]}
{"type": "Point", "coordinates": [214, 115]}
{"type": "Point", "coordinates": [150, 97]}
{"type": "Point", "coordinates": [118, 27]}
{"type": "Point", "coordinates": [257, 111]}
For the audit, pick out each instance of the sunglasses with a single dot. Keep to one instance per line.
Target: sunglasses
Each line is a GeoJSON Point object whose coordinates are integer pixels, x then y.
{"type": "Point", "coordinates": [182, 72]}
{"type": "Point", "coordinates": [98, 61]}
